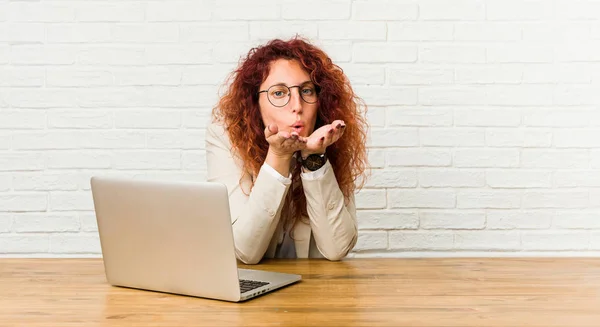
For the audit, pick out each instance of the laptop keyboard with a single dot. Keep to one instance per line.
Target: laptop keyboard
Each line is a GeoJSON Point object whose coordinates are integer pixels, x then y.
{"type": "Point", "coordinates": [248, 285]}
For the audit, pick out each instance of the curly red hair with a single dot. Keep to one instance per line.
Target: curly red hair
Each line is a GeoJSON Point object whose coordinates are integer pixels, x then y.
{"type": "Point", "coordinates": [239, 112]}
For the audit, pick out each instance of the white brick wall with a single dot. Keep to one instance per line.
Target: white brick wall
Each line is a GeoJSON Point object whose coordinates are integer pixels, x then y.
{"type": "Point", "coordinates": [484, 114]}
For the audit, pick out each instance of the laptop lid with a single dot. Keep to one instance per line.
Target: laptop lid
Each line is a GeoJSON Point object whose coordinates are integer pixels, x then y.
{"type": "Point", "coordinates": [173, 237]}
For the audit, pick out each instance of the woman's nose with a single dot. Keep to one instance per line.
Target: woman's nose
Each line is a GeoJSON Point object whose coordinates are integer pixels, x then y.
{"type": "Point", "coordinates": [296, 101]}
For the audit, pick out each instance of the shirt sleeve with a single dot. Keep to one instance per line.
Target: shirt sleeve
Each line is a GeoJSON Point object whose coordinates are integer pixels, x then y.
{"type": "Point", "coordinates": [332, 216]}
{"type": "Point", "coordinates": [270, 170]}
{"type": "Point", "coordinates": [313, 175]}
{"type": "Point", "coordinates": [255, 210]}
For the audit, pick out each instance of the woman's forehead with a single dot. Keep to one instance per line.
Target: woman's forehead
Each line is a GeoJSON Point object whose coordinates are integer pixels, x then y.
{"type": "Point", "coordinates": [288, 72]}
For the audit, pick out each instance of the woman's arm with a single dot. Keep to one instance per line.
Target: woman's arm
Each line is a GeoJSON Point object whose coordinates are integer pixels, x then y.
{"type": "Point", "coordinates": [332, 220]}
{"type": "Point", "coordinates": [255, 216]}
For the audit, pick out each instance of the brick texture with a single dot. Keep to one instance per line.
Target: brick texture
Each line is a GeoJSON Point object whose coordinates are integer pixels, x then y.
{"type": "Point", "coordinates": [484, 121]}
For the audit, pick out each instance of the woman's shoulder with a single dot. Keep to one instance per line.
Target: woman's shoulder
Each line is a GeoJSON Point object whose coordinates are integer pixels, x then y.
{"type": "Point", "coordinates": [216, 130]}
{"type": "Point", "coordinates": [215, 126]}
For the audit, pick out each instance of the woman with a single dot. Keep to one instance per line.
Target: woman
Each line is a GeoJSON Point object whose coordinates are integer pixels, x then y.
{"type": "Point", "coordinates": [288, 140]}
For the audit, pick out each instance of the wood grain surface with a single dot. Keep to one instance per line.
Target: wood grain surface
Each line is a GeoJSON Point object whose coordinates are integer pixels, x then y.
{"type": "Point", "coordinates": [354, 292]}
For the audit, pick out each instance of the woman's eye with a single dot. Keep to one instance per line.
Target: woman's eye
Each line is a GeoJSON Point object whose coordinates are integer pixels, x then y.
{"type": "Point", "coordinates": [278, 93]}
{"type": "Point", "coordinates": [307, 91]}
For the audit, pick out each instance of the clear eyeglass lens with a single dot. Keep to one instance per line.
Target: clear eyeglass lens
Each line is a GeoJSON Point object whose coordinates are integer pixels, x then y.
{"type": "Point", "coordinates": [308, 93]}
{"type": "Point", "coordinates": [279, 95]}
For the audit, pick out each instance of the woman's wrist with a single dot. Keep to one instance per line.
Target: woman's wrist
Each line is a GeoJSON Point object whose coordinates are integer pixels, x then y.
{"type": "Point", "coordinates": [279, 162]}
{"type": "Point", "coordinates": [306, 153]}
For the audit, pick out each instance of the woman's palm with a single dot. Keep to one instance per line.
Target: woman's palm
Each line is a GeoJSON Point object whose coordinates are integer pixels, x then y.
{"type": "Point", "coordinates": [323, 137]}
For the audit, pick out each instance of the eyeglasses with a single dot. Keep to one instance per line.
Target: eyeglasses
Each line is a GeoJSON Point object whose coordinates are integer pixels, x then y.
{"type": "Point", "coordinates": [279, 95]}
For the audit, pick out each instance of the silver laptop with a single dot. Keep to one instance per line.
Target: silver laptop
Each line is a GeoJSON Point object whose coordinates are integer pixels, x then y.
{"type": "Point", "coordinates": [174, 237]}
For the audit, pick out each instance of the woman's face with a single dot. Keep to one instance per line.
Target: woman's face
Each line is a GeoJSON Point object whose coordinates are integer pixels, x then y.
{"type": "Point", "coordinates": [288, 108]}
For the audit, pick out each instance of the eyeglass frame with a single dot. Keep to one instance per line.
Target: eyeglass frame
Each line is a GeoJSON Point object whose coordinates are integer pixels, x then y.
{"type": "Point", "coordinates": [290, 94]}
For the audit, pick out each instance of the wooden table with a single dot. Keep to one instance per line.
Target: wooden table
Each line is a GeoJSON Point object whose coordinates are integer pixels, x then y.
{"type": "Point", "coordinates": [353, 292]}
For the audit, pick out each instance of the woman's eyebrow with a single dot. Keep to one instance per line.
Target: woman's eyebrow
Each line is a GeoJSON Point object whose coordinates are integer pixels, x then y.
{"type": "Point", "coordinates": [302, 83]}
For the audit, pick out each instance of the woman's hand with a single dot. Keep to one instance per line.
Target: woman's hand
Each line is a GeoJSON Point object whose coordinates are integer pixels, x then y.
{"type": "Point", "coordinates": [282, 143]}
{"type": "Point", "coordinates": [323, 137]}
{"type": "Point", "coordinates": [282, 146]}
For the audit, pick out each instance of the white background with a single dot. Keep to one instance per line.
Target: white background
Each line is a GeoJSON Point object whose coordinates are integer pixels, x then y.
{"type": "Point", "coordinates": [485, 118]}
